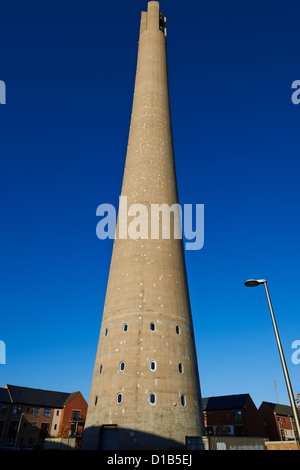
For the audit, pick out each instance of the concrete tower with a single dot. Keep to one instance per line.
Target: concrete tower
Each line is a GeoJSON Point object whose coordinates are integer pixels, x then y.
{"type": "Point", "coordinates": [145, 390]}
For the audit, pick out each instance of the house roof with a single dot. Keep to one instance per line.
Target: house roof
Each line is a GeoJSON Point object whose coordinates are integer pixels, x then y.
{"type": "Point", "coordinates": [283, 410]}
{"type": "Point", "coordinates": [38, 397]}
{"type": "Point", "coordinates": [4, 396]}
{"type": "Point", "coordinates": [225, 402]}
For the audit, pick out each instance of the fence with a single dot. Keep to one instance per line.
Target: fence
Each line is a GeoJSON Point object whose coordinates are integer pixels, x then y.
{"type": "Point", "coordinates": [226, 443]}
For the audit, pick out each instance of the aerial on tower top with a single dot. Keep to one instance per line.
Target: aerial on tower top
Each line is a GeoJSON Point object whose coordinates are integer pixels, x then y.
{"type": "Point", "coordinates": [153, 18]}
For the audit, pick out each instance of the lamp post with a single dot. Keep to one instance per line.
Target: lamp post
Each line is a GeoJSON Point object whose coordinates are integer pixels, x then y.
{"type": "Point", "coordinates": [255, 283]}
{"type": "Point", "coordinates": [18, 430]}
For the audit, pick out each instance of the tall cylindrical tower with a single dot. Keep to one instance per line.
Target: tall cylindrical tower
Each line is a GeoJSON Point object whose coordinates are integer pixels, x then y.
{"type": "Point", "coordinates": [145, 390]}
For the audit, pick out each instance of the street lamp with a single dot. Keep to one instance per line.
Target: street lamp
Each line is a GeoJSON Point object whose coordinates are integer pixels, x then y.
{"type": "Point", "coordinates": [18, 430]}
{"type": "Point", "coordinates": [255, 283]}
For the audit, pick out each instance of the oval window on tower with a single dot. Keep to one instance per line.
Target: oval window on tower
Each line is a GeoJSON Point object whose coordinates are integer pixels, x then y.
{"type": "Point", "coordinates": [152, 398]}
{"type": "Point", "coordinates": [125, 327]}
{"type": "Point", "coordinates": [100, 369]}
{"type": "Point", "coordinates": [152, 365]}
{"type": "Point", "coordinates": [106, 331]}
{"type": "Point", "coordinates": [152, 326]}
{"type": "Point", "coordinates": [183, 400]}
{"type": "Point", "coordinates": [180, 367]}
{"type": "Point", "coordinates": [119, 398]}
{"type": "Point", "coordinates": [122, 366]}
{"type": "Point", "coordinates": [178, 330]}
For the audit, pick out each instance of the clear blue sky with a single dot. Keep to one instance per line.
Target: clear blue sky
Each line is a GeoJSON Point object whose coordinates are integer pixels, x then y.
{"type": "Point", "coordinates": [69, 68]}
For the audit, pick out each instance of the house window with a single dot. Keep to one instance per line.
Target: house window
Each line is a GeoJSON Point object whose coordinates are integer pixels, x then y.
{"type": "Point", "coordinates": [44, 430]}
{"type": "Point", "coordinates": [152, 398]}
{"type": "Point", "coordinates": [4, 409]}
{"type": "Point", "coordinates": [238, 415]}
{"type": "Point", "coordinates": [36, 411]}
{"type": "Point", "coordinates": [34, 425]}
{"type": "Point", "coordinates": [239, 431]}
{"type": "Point", "coordinates": [75, 414]}
{"type": "Point", "coordinates": [16, 410]}
{"type": "Point", "coordinates": [47, 412]}
{"type": "Point", "coordinates": [119, 398]}
{"type": "Point", "coordinates": [57, 413]}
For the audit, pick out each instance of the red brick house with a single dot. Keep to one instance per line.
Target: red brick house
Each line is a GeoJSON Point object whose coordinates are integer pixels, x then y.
{"type": "Point", "coordinates": [279, 421]}
{"type": "Point", "coordinates": [28, 416]}
{"type": "Point", "coordinates": [5, 412]}
{"type": "Point", "coordinates": [232, 415]}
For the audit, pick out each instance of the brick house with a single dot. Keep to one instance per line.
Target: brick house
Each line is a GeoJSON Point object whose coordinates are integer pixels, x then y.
{"type": "Point", "coordinates": [29, 415]}
{"type": "Point", "coordinates": [279, 421]}
{"type": "Point", "coordinates": [5, 412]}
{"type": "Point", "coordinates": [232, 415]}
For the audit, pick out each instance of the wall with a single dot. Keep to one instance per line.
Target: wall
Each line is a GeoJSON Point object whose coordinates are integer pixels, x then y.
{"type": "Point", "coordinates": [60, 443]}
{"type": "Point", "coordinates": [4, 418]}
{"type": "Point", "coordinates": [269, 420]}
{"type": "Point", "coordinates": [57, 414]}
{"type": "Point", "coordinates": [237, 443]}
{"type": "Point", "coordinates": [254, 422]}
{"type": "Point", "coordinates": [277, 445]}
{"type": "Point", "coordinates": [77, 403]}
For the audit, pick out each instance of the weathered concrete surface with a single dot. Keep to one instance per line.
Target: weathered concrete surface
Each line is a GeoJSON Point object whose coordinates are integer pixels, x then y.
{"type": "Point", "coordinates": [147, 284]}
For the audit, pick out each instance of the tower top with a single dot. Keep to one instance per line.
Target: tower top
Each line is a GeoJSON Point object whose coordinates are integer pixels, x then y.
{"type": "Point", "coordinates": [153, 18]}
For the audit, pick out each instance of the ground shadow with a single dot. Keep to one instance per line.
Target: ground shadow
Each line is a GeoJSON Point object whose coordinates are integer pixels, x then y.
{"type": "Point", "coordinates": [113, 437]}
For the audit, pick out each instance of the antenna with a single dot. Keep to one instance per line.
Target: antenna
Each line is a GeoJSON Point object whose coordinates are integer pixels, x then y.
{"type": "Point", "coordinates": [275, 387]}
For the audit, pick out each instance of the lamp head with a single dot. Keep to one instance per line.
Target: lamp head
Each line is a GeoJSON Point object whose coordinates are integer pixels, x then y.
{"type": "Point", "coordinates": [254, 282]}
